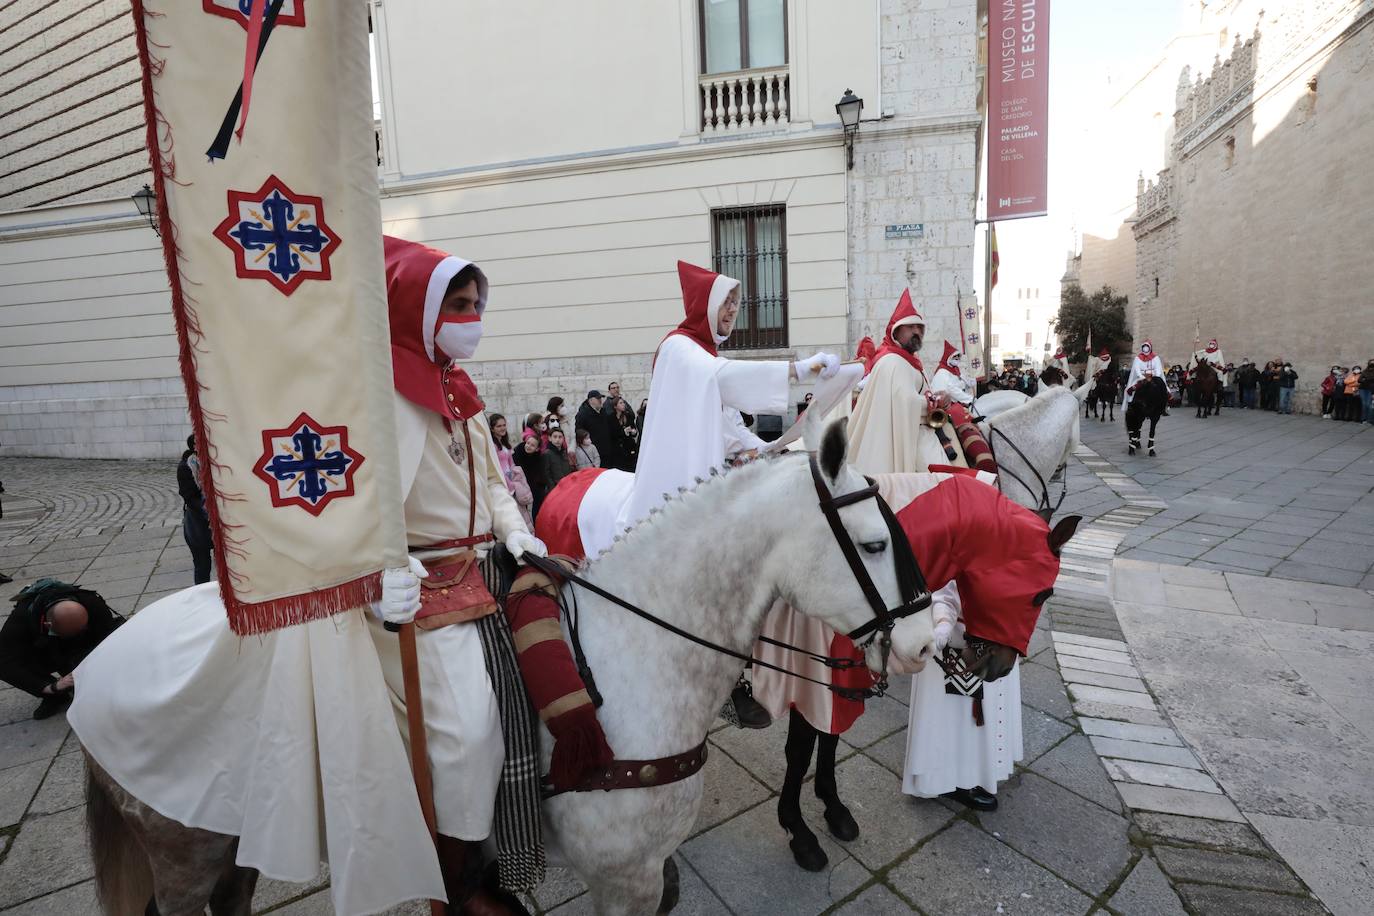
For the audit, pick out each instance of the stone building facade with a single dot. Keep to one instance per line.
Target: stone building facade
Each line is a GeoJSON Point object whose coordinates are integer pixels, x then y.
{"type": "Point", "coordinates": [600, 151]}
{"type": "Point", "coordinates": [1256, 230]}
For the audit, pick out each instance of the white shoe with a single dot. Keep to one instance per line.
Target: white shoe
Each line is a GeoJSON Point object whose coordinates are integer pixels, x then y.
{"type": "Point", "coordinates": [1326, 416]}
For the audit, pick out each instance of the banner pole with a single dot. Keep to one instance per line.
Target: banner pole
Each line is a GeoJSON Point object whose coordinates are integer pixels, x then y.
{"type": "Point", "coordinates": [987, 301]}
{"type": "Point", "coordinates": [419, 744]}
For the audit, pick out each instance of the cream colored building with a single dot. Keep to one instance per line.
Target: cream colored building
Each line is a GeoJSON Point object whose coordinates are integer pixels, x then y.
{"type": "Point", "coordinates": [1256, 229]}
{"type": "Point", "coordinates": [1022, 325]}
{"type": "Point", "coordinates": [576, 154]}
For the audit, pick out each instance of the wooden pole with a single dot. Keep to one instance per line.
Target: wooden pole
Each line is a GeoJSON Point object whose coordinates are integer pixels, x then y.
{"type": "Point", "coordinates": [419, 746]}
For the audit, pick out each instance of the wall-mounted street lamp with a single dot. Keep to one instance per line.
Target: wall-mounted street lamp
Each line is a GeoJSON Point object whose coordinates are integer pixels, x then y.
{"type": "Point", "coordinates": [849, 107]}
{"type": "Point", "coordinates": [146, 202]}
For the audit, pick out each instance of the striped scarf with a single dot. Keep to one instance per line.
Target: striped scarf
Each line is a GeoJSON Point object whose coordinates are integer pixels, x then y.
{"type": "Point", "coordinates": [519, 844]}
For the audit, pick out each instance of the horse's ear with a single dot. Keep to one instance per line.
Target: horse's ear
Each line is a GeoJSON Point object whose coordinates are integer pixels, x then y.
{"type": "Point", "coordinates": [1059, 535]}
{"type": "Point", "coordinates": [834, 446]}
{"type": "Point", "coordinates": [813, 430]}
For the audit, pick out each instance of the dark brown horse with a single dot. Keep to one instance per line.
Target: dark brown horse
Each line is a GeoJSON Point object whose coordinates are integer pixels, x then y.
{"type": "Point", "coordinates": [1149, 401]}
{"type": "Point", "coordinates": [1105, 383]}
{"type": "Point", "coordinates": [1206, 390]}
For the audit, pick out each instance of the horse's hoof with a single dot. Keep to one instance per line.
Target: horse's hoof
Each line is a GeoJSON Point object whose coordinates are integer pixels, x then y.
{"type": "Point", "coordinates": [807, 852]}
{"type": "Point", "coordinates": [841, 823]}
{"type": "Point", "coordinates": [671, 887]}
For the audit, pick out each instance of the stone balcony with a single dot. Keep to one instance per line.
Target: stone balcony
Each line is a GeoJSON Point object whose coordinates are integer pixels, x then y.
{"type": "Point", "coordinates": [744, 101]}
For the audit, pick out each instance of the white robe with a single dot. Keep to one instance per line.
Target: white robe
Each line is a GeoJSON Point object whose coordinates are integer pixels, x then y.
{"type": "Point", "coordinates": [945, 748]}
{"type": "Point", "coordinates": [1139, 367]}
{"type": "Point", "coordinates": [887, 432]}
{"type": "Point", "coordinates": [953, 385]}
{"type": "Point", "coordinates": [684, 433]}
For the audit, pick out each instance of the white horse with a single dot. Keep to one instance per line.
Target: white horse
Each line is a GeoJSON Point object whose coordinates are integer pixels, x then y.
{"type": "Point", "coordinates": [1032, 439]}
{"type": "Point", "coordinates": [711, 562]}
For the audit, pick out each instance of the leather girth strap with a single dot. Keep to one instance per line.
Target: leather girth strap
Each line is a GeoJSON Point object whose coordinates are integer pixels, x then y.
{"type": "Point", "coordinates": [643, 774]}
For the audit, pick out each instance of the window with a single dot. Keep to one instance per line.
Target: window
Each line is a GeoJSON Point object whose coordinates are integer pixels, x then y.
{"type": "Point", "coordinates": [742, 34]}
{"type": "Point", "coordinates": [1156, 287]}
{"type": "Point", "coordinates": [1028, 339]}
{"type": "Point", "coordinates": [995, 342]}
{"type": "Point", "coordinates": [750, 244]}
{"type": "Point", "coordinates": [1028, 314]}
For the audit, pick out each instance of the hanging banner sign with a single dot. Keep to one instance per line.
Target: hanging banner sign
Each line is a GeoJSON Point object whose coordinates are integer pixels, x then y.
{"type": "Point", "coordinates": [1018, 108]}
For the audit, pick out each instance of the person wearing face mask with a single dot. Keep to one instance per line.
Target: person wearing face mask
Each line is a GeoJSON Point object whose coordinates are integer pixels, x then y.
{"type": "Point", "coordinates": [1287, 380]}
{"type": "Point", "coordinates": [1146, 365]}
{"type": "Point", "coordinates": [457, 507]}
{"type": "Point", "coordinates": [888, 432]}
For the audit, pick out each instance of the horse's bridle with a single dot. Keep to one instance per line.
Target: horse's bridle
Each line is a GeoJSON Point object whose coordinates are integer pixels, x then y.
{"type": "Point", "coordinates": [1043, 507]}
{"type": "Point", "coordinates": [915, 597]}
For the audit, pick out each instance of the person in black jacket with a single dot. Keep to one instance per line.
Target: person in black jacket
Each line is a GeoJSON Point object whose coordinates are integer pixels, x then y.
{"type": "Point", "coordinates": [51, 630]}
{"type": "Point", "coordinates": [195, 521]}
{"type": "Point", "coordinates": [590, 418]}
{"type": "Point", "coordinates": [555, 458]}
{"type": "Point", "coordinates": [531, 460]}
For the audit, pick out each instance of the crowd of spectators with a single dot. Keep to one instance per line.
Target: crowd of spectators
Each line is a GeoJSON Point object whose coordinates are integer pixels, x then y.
{"type": "Point", "coordinates": [603, 433]}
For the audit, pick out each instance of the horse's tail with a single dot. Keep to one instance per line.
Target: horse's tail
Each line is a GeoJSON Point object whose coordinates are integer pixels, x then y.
{"type": "Point", "coordinates": [123, 875]}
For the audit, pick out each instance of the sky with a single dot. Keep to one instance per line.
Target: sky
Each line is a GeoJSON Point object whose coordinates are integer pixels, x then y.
{"type": "Point", "coordinates": [1097, 48]}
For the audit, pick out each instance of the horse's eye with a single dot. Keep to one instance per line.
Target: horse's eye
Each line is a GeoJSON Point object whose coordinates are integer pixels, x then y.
{"type": "Point", "coordinates": [874, 546]}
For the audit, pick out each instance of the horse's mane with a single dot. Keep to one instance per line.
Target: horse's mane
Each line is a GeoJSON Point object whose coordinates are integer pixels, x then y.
{"type": "Point", "coordinates": [707, 496]}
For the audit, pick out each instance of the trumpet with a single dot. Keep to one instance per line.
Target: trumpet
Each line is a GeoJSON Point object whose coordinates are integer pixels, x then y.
{"type": "Point", "coordinates": [936, 417]}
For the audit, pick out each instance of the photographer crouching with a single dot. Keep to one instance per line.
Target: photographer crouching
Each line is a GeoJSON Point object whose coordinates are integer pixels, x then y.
{"type": "Point", "coordinates": [52, 629]}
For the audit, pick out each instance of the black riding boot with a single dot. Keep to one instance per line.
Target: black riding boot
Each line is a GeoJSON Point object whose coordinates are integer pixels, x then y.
{"type": "Point", "coordinates": [748, 711]}
{"type": "Point", "coordinates": [473, 890]}
{"type": "Point", "coordinates": [806, 849]}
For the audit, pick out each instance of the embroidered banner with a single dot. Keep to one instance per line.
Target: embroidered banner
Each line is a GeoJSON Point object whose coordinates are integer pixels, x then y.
{"type": "Point", "coordinates": [274, 255]}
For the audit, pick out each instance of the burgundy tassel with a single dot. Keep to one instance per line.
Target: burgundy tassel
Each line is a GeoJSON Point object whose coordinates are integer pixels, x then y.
{"type": "Point", "coordinates": [579, 748]}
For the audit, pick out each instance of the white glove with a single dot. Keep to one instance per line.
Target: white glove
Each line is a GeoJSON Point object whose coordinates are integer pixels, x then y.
{"type": "Point", "coordinates": [400, 593]}
{"type": "Point", "coordinates": [827, 363]}
{"type": "Point", "coordinates": [943, 630]}
{"type": "Point", "coordinates": [520, 541]}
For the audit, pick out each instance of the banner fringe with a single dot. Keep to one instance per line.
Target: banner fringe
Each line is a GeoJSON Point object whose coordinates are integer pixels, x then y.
{"type": "Point", "coordinates": [265, 616]}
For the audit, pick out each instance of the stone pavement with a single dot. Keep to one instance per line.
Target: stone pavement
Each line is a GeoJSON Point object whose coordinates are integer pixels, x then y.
{"type": "Point", "coordinates": [1062, 842]}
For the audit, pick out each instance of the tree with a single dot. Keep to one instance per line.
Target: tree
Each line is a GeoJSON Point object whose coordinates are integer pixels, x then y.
{"type": "Point", "coordinates": [1104, 313]}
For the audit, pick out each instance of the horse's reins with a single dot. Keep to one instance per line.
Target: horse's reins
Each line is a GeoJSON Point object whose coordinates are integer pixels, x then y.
{"type": "Point", "coordinates": [914, 594]}
{"type": "Point", "coordinates": [1043, 505]}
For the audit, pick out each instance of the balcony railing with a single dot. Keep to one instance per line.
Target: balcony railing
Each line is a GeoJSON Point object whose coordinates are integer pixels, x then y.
{"type": "Point", "coordinates": [745, 100]}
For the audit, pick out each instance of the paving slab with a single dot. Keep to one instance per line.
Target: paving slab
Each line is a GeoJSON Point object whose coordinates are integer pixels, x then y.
{"type": "Point", "coordinates": [1199, 831]}
{"type": "Point", "coordinates": [1076, 839]}
{"type": "Point", "coordinates": [1042, 688]}
{"type": "Point", "coordinates": [1149, 734]}
{"type": "Point", "coordinates": [1092, 664]}
{"type": "Point", "coordinates": [747, 858]}
{"type": "Point", "coordinates": [1231, 901]}
{"type": "Point", "coordinates": [1232, 869]}
{"type": "Point", "coordinates": [1094, 652]}
{"type": "Point", "coordinates": [1159, 774]}
{"type": "Point", "coordinates": [1178, 801]}
{"type": "Point", "coordinates": [77, 900]}
{"type": "Point", "coordinates": [1333, 859]}
{"type": "Point", "coordinates": [48, 855]}
{"type": "Point", "coordinates": [1040, 732]}
{"type": "Point", "coordinates": [1074, 765]}
{"type": "Point", "coordinates": [28, 740]}
{"type": "Point", "coordinates": [1110, 696]}
{"type": "Point", "coordinates": [1120, 713]}
{"type": "Point", "coordinates": [1144, 751]}
{"type": "Point", "coordinates": [16, 705]}
{"type": "Point", "coordinates": [17, 787]}
{"type": "Point", "coordinates": [1075, 639]}
{"type": "Point", "coordinates": [727, 789]}
{"type": "Point", "coordinates": [1094, 678]}
{"type": "Point", "coordinates": [1146, 892]}
{"type": "Point", "coordinates": [965, 871]}
{"type": "Point", "coordinates": [876, 901]}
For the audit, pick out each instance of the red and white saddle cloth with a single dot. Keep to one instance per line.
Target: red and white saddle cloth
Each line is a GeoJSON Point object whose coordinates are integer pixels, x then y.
{"type": "Point", "coordinates": [961, 530]}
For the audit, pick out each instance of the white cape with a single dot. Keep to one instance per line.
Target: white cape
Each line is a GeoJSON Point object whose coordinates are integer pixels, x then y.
{"type": "Point", "coordinates": [1139, 367]}
{"type": "Point", "coordinates": [683, 436]}
{"type": "Point", "coordinates": [224, 733]}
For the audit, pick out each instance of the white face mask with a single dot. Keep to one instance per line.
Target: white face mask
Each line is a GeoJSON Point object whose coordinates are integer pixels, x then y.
{"type": "Point", "coordinates": [458, 336]}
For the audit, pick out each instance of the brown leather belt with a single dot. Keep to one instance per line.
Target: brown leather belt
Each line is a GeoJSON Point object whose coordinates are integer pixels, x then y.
{"type": "Point", "coordinates": [456, 543]}
{"type": "Point", "coordinates": [642, 774]}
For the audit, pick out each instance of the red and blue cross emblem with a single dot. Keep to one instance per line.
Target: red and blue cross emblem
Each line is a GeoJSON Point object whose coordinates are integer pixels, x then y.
{"type": "Point", "coordinates": [307, 464]}
{"type": "Point", "coordinates": [292, 11]}
{"type": "Point", "coordinates": [278, 235]}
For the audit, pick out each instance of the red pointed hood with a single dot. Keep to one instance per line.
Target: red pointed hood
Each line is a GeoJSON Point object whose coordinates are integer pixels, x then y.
{"type": "Point", "coordinates": [1059, 354]}
{"type": "Point", "coordinates": [1147, 352]}
{"type": "Point", "coordinates": [703, 292]}
{"type": "Point", "coordinates": [950, 361]}
{"type": "Point", "coordinates": [866, 349]}
{"type": "Point", "coordinates": [1212, 345]}
{"type": "Point", "coordinates": [1105, 355]}
{"type": "Point", "coordinates": [904, 314]}
{"type": "Point", "coordinates": [417, 277]}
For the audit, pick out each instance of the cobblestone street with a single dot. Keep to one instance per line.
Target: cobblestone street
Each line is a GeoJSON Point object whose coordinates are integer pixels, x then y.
{"type": "Point", "coordinates": [1217, 602]}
